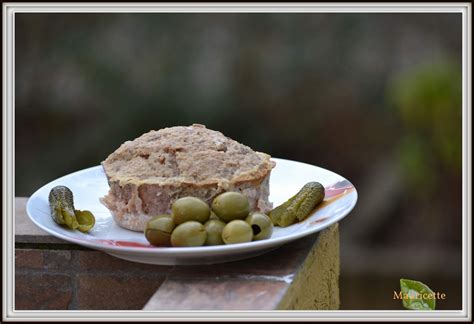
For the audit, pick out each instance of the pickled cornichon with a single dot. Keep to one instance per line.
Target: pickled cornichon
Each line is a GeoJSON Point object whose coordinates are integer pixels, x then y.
{"type": "Point", "coordinates": [277, 213]}
{"type": "Point", "coordinates": [299, 206]}
{"type": "Point", "coordinates": [61, 204]}
{"type": "Point", "coordinates": [85, 219]}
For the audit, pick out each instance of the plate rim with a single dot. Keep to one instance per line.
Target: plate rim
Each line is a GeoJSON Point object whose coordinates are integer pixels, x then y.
{"type": "Point", "coordinates": [185, 251]}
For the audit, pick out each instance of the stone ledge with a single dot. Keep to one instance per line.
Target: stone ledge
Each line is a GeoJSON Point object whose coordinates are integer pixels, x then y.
{"type": "Point", "coordinates": [26, 231]}
{"type": "Point", "coordinates": [303, 275]}
{"type": "Point", "coordinates": [316, 285]}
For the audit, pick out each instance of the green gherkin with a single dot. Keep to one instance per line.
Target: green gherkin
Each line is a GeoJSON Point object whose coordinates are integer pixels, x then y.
{"type": "Point", "coordinates": [313, 195]}
{"type": "Point", "coordinates": [299, 206]}
{"type": "Point", "coordinates": [277, 213]}
{"type": "Point", "coordinates": [85, 220]}
{"type": "Point", "coordinates": [61, 204]}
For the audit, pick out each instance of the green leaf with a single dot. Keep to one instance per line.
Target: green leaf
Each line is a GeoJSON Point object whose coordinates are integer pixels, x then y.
{"type": "Point", "coordinates": [419, 296]}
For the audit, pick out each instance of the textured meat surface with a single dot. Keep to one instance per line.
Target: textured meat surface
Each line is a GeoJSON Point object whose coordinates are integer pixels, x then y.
{"type": "Point", "coordinates": [192, 154]}
{"type": "Point", "coordinates": [148, 174]}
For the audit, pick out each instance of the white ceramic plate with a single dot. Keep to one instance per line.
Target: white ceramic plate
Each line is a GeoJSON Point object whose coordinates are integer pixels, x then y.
{"type": "Point", "coordinates": [286, 179]}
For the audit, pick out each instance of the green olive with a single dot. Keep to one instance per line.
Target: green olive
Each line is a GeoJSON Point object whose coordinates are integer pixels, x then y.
{"type": "Point", "coordinates": [231, 205]}
{"type": "Point", "coordinates": [237, 231]}
{"type": "Point", "coordinates": [158, 230]}
{"type": "Point", "coordinates": [213, 216]}
{"type": "Point", "coordinates": [214, 229]}
{"type": "Point", "coordinates": [190, 209]}
{"type": "Point", "coordinates": [261, 224]}
{"type": "Point", "coordinates": [190, 233]}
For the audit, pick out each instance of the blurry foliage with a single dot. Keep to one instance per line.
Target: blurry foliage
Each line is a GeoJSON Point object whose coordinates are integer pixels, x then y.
{"type": "Point", "coordinates": [428, 98]}
{"type": "Point", "coordinates": [306, 87]}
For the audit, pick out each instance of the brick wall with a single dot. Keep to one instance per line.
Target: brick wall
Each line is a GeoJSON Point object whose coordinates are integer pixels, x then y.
{"type": "Point", "coordinates": [82, 279]}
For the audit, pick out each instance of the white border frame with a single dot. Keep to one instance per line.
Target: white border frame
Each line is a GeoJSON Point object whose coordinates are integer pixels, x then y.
{"type": "Point", "coordinates": [8, 166]}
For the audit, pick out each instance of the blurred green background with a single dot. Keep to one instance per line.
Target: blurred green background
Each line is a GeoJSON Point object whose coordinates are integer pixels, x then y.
{"type": "Point", "coordinates": [373, 97]}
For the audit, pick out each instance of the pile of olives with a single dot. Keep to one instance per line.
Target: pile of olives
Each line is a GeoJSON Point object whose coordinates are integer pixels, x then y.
{"type": "Point", "coordinates": [193, 223]}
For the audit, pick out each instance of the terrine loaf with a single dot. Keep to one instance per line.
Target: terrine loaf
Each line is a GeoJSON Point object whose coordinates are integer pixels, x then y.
{"type": "Point", "coordinates": [148, 174]}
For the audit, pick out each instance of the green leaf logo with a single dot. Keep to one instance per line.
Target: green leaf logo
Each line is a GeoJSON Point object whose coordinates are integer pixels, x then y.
{"type": "Point", "coordinates": [417, 295]}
